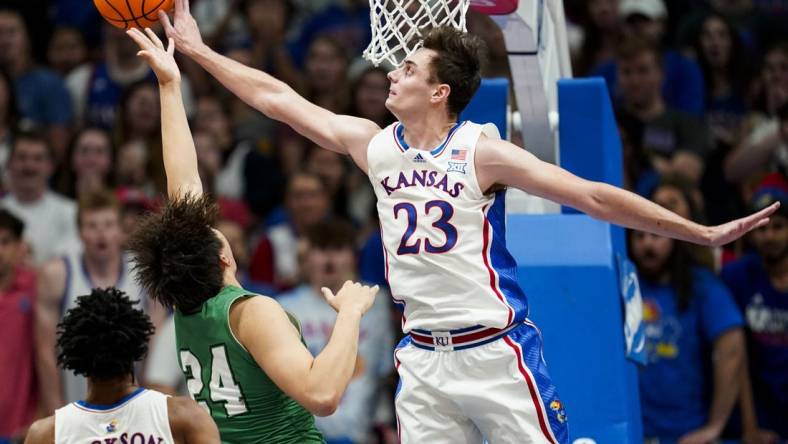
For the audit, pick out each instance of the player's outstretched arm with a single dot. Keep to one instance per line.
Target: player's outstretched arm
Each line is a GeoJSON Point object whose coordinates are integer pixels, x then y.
{"type": "Point", "coordinates": [180, 157]}
{"type": "Point", "coordinates": [42, 431]}
{"type": "Point", "coordinates": [317, 383]}
{"type": "Point", "coordinates": [500, 162]}
{"type": "Point", "coordinates": [274, 98]}
{"type": "Point", "coordinates": [190, 423]}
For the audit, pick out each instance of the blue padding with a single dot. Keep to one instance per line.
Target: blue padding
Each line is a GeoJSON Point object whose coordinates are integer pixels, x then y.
{"type": "Point", "coordinates": [590, 143]}
{"type": "Point", "coordinates": [489, 104]}
{"type": "Point", "coordinates": [569, 272]}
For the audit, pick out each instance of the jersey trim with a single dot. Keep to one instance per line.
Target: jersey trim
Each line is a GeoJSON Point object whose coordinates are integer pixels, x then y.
{"type": "Point", "coordinates": [86, 406]}
{"type": "Point", "coordinates": [488, 260]}
{"type": "Point", "coordinates": [399, 139]}
{"type": "Point", "coordinates": [121, 272]}
{"type": "Point", "coordinates": [532, 389]}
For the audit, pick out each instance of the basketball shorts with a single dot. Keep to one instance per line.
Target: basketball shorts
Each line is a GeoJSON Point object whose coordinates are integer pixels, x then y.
{"type": "Point", "coordinates": [497, 391]}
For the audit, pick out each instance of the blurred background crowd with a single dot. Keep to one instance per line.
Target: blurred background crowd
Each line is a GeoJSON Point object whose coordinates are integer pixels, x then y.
{"type": "Point", "coordinates": [700, 90]}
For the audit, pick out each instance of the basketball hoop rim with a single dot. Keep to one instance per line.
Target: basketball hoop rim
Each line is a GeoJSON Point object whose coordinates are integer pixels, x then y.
{"type": "Point", "coordinates": [494, 7]}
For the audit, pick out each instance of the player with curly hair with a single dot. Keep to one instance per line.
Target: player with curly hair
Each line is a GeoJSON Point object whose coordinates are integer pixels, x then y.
{"type": "Point", "coordinates": [102, 338]}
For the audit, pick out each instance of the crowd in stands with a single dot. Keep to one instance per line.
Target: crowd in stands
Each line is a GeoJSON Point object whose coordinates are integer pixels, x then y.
{"type": "Point", "coordinates": [700, 89]}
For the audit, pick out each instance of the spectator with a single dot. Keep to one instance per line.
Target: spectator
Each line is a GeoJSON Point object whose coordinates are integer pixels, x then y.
{"type": "Point", "coordinates": [687, 313]}
{"type": "Point", "coordinates": [66, 50]}
{"type": "Point", "coordinates": [97, 89]}
{"type": "Point", "coordinates": [344, 21]}
{"type": "Point", "coordinates": [212, 118]}
{"type": "Point", "coordinates": [674, 141]}
{"type": "Point", "coordinates": [50, 219]}
{"type": "Point", "coordinates": [18, 390]}
{"type": "Point", "coordinates": [599, 36]}
{"type": "Point", "coordinates": [764, 149]}
{"type": "Point", "coordinates": [329, 261]}
{"type": "Point", "coordinates": [138, 122]}
{"type": "Point", "coordinates": [369, 93]}
{"type": "Point", "coordinates": [275, 260]}
{"type": "Point", "coordinates": [8, 121]}
{"type": "Point", "coordinates": [759, 282]}
{"type": "Point", "coordinates": [269, 22]}
{"type": "Point", "coordinates": [682, 81]}
{"type": "Point", "coordinates": [101, 264]}
{"type": "Point", "coordinates": [41, 94]}
{"type": "Point", "coordinates": [757, 27]}
{"type": "Point", "coordinates": [326, 69]}
{"type": "Point", "coordinates": [89, 164]}
{"type": "Point", "coordinates": [131, 174]}
{"type": "Point", "coordinates": [333, 170]}
{"type": "Point", "coordinates": [726, 73]}
{"type": "Point", "coordinates": [727, 76]}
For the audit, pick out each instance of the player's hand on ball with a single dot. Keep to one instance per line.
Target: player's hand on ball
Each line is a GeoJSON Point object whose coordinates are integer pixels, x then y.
{"type": "Point", "coordinates": [160, 59]}
{"type": "Point", "coordinates": [352, 296]}
{"type": "Point", "coordinates": [183, 28]}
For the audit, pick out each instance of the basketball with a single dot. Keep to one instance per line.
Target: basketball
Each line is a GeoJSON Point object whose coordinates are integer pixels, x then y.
{"type": "Point", "coordinates": [127, 14]}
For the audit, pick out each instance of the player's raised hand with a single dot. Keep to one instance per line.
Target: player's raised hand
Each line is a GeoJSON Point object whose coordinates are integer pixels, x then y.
{"type": "Point", "coordinates": [160, 59]}
{"type": "Point", "coordinates": [183, 28]}
{"type": "Point", "coordinates": [352, 295]}
{"type": "Point", "coordinates": [729, 232]}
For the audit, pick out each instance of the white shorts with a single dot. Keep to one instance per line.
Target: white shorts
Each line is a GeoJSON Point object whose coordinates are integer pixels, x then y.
{"type": "Point", "coordinates": [498, 391]}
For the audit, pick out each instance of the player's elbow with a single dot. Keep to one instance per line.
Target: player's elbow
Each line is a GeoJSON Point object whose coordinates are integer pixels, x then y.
{"type": "Point", "coordinates": [323, 402]}
{"type": "Point", "coordinates": [273, 103]}
{"type": "Point", "coordinates": [593, 201]}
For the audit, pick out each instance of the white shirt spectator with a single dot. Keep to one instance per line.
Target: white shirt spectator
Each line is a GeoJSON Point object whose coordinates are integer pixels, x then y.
{"type": "Point", "coordinates": [50, 224]}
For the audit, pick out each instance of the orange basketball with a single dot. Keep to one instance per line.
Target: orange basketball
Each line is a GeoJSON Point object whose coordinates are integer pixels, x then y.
{"type": "Point", "coordinates": [127, 14]}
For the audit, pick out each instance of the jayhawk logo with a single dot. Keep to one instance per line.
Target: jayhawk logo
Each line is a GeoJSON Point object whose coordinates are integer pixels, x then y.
{"type": "Point", "coordinates": [112, 426]}
{"type": "Point", "coordinates": [558, 408]}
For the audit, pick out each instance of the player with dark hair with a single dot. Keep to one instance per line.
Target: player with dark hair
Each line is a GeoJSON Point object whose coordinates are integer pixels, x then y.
{"type": "Point", "coordinates": [440, 188]}
{"type": "Point", "coordinates": [102, 338]}
{"type": "Point", "coordinates": [242, 354]}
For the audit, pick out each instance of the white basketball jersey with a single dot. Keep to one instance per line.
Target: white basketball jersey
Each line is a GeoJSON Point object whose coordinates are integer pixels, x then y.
{"type": "Point", "coordinates": [78, 283]}
{"type": "Point", "coordinates": [139, 418]}
{"type": "Point", "coordinates": [443, 238]}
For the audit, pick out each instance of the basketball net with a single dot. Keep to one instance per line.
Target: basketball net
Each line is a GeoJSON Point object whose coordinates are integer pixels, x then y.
{"type": "Point", "coordinates": [397, 25]}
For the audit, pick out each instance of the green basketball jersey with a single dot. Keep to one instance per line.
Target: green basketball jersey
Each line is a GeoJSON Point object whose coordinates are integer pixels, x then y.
{"type": "Point", "coordinates": [225, 379]}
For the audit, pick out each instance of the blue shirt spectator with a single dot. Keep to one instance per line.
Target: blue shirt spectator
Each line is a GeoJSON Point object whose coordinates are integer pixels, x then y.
{"type": "Point", "coordinates": [675, 385]}
{"type": "Point", "coordinates": [766, 312]}
{"type": "Point", "coordinates": [758, 282]}
{"type": "Point", "coordinates": [347, 25]}
{"type": "Point", "coordinates": [682, 87]}
{"type": "Point", "coordinates": [43, 98]}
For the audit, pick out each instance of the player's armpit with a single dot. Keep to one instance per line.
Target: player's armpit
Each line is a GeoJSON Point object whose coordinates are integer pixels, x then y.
{"type": "Point", "coordinates": [190, 423]}
{"type": "Point", "coordinates": [42, 431]}
{"type": "Point", "coordinates": [263, 327]}
{"type": "Point", "coordinates": [499, 162]}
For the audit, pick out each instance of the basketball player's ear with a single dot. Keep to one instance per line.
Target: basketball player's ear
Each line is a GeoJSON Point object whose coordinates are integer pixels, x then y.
{"type": "Point", "coordinates": [441, 93]}
{"type": "Point", "coordinates": [224, 261]}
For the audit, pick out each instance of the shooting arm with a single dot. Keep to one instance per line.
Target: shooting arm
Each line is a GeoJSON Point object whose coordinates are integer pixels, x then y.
{"type": "Point", "coordinates": [180, 157]}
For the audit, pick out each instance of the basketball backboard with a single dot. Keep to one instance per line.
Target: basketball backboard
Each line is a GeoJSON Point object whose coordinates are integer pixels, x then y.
{"type": "Point", "coordinates": [535, 36]}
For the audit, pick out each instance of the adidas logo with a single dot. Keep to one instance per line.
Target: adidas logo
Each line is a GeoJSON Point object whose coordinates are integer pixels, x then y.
{"type": "Point", "coordinates": [418, 158]}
